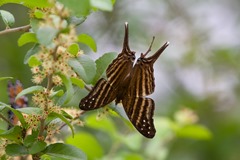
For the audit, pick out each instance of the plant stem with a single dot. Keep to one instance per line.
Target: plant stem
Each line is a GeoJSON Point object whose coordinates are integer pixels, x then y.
{"type": "Point", "coordinates": [87, 88]}
{"type": "Point", "coordinates": [5, 119]}
{"type": "Point", "coordinates": [49, 87]}
{"type": "Point", "coordinates": [22, 28]}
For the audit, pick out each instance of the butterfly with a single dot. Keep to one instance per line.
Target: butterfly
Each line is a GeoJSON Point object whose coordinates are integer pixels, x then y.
{"type": "Point", "coordinates": [129, 84]}
{"type": "Point", "coordinates": [13, 90]}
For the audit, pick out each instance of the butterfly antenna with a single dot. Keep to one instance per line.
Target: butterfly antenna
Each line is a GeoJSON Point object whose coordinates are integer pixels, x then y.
{"type": "Point", "coordinates": [149, 49]}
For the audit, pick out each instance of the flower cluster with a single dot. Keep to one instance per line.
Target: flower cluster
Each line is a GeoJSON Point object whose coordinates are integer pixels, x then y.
{"type": "Point", "coordinates": [186, 116]}
{"type": "Point", "coordinates": [3, 144]}
{"type": "Point", "coordinates": [53, 58]}
{"type": "Point", "coordinates": [33, 120]}
{"type": "Point", "coordinates": [42, 100]}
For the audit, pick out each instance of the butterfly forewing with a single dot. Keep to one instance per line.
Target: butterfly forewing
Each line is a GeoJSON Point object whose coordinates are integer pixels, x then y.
{"type": "Point", "coordinates": [93, 100]}
{"type": "Point", "coordinates": [142, 80]}
{"type": "Point", "coordinates": [142, 75]}
{"type": "Point", "coordinates": [122, 65]}
{"type": "Point", "coordinates": [105, 91]}
{"type": "Point", "coordinates": [119, 69]}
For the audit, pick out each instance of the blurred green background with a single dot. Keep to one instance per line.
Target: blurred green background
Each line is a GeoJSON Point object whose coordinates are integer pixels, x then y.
{"type": "Point", "coordinates": [200, 69]}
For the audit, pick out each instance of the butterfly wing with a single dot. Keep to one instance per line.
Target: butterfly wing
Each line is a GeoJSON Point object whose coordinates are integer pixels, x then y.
{"type": "Point", "coordinates": [139, 108]}
{"type": "Point", "coordinates": [142, 76]}
{"type": "Point", "coordinates": [101, 94]}
{"type": "Point", "coordinates": [121, 67]}
{"type": "Point", "coordinates": [105, 91]}
{"type": "Point", "coordinates": [13, 91]}
{"type": "Point", "coordinates": [140, 113]}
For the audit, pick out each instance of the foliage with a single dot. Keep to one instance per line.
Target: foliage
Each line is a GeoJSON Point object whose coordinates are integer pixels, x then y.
{"type": "Point", "coordinates": [61, 71]}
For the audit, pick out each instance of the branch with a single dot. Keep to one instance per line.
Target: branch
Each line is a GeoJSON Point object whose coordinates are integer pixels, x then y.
{"type": "Point", "coordinates": [22, 28]}
{"type": "Point", "coordinates": [5, 119]}
{"type": "Point", "coordinates": [49, 87]}
{"type": "Point", "coordinates": [87, 88]}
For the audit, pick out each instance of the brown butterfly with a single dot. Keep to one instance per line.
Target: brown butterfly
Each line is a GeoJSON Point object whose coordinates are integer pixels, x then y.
{"type": "Point", "coordinates": [13, 90]}
{"type": "Point", "coordinates": [129, 85]}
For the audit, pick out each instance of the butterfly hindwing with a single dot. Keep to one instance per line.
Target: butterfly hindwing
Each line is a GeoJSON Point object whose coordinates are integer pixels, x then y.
{"type": "Point", "coordinates": [140, 112]}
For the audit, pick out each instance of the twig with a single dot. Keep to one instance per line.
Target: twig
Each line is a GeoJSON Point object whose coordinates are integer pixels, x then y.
{"type": "Point", "coordinates": [87, 88]}
{"type": "Point", "coordinates": [5, 119]}
{"type": "Point", "coordinates": [22, 28]}
{"type": "Point", "coordinates": [49, 87]}
{"type": "Point", "coordinates": [75, 118]}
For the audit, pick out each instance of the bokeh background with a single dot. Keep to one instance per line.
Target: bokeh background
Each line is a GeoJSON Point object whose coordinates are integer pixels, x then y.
{"type": "Point", "coordinates": [199, 70]}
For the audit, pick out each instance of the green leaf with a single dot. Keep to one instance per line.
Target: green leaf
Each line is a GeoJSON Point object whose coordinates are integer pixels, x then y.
{"type": "Point", "coordinates": [33, 61]}
{"type": "Point", "coordinates": [37, 146]}
{"type": "Point", "coordinates": [30, 90]}
{"type": "Point", "coordinates": [78, 8]}
{"type": "Point", "coordinates": [104, 124]}
{"type": "Point", "coordinates": [3, 106]}
{"type": "Point", "coordinates": [57, 93]}
{"type": "Point", "coordinates": [13, 134]}
{"type": "Point", "coordinates": [85, 67]}
{"type": "Point", "coordinates": [19, 116]}
{"type": "Point", "coordinates": [54, 114]}
{"type": "Point", "coordinates": [31, 52]}
{"type": "Point", "coordinates": [30, 139]}
{"type": "Point", "coordinates": [46, 34]}
{"type": "Point", "coordinates": [27, 38]}
{"type": "Point", "coordinates": [16, 150]}
{"type": "Point", "coordinates": [133, 156]}
{"type": "Point", "coordinates": [35, 24]}
{"type": "Point", "coordinates": [194, 131]}
{"type": "Point", "coordinates": [78, 82]}
{"type": "Point", "coordinates": [77, 20]}
{"type": "Point", "coordinates": [77, 95]}
{"type": "Point", "coordinates": [30, 110]}
{"type": "Point", "coordinates": [69, 89]}
{"type": "Point", "coordinates": [38, 14]}
{"type": "Point", "coordinates": [28, 3]}
{"type": "Point", "coordinates": [4, 78]}
{"type": "Point", "coordinates": [136, 138]}
{"type": "Point", "coordinates": [105, 5]}
{"type": "Point", "coordinates": [73, 49]}
{"type": "Point", "coordinates": [88, 40]}
{"type": "Point", "coordinates": [66, 115]}
{"type": "Point", "coordinates": [68, 152]}
{"type": "Point", "coordinates": [89, 145]}
{"type": "Point", "coordinates": [7, 18]}
{"type": "Point", "coordinates": [102, 63]}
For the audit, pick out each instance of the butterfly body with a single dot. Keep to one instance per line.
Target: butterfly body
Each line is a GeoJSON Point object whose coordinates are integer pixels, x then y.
{"type": "Point", "coordinates": [129, 85]}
